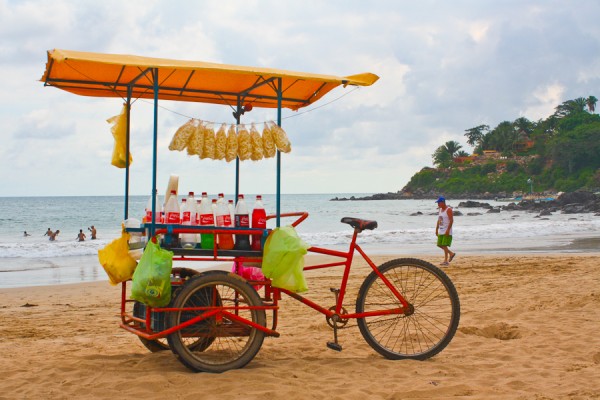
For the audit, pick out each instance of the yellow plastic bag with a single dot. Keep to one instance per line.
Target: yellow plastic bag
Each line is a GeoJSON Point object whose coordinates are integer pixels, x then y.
{"type": "Point", "coordinates": [119, 132]}
{"type": "Point", "coordinates": [283, 259]}
{"type": "Point", "coordinates": [152, 278]}
{"type": "Point", "coordinates": [116, 261]}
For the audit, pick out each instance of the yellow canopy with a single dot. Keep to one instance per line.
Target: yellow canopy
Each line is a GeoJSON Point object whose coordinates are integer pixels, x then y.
{"type": "Point", "coordinates": [111, 75]}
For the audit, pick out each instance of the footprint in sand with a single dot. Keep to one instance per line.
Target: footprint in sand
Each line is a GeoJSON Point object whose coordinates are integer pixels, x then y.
{"type": "Point", "coordinates": [501, 331]}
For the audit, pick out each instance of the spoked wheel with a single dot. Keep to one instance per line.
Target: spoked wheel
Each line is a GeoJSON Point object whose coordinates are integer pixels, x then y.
{"type": "Point", "coordinates": [227, 342]}
{"type": "Point", "coordinates": [139, 310]}
{"type": "Point", "coordinates": [432, 318]}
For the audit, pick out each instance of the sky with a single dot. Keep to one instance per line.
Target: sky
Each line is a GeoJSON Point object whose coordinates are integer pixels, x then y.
{"type": "Point", "coordinates": [444, 67]}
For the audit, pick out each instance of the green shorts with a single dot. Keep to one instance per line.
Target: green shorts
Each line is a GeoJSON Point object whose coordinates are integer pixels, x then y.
{"type": "Point", "coordinates": [444, 240]}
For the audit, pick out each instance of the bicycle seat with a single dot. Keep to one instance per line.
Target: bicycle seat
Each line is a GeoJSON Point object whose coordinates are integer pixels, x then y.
{"type": "Point", "coordinates": [358, 223]}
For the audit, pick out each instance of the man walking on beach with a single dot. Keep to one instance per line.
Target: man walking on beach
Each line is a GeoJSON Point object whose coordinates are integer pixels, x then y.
{"type": "Point", "coordinates": [443, 229]}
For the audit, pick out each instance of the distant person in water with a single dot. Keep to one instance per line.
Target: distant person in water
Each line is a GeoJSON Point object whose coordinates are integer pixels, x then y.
{"type": "Point", "coordinates": [443, 230]}
{"type": "Point", "coordinates": [81, 236]}
{"type": "Point", "coordinates": [92, 232]}
{"type": "Point", "coordinates": [25, 234]}
{"type": "Point", "coordinates": [48, 232]}
{"type": "Point", "coordinates": [53, 235]}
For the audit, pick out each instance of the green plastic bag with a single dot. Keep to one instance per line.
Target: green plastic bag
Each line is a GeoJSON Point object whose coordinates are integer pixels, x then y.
{"type": "Point", "coordinates": [283, 259]}
{"type": "Point", "coordinates": [152, 277]}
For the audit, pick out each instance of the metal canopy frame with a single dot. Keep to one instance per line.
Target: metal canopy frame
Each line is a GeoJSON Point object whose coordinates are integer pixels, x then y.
{"type": "Point", "coordinates": [132, 77]}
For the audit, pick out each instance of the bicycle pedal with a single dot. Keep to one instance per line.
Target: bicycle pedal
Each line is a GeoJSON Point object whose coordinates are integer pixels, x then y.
{"type": "Point", "coordinates": [334, 346]}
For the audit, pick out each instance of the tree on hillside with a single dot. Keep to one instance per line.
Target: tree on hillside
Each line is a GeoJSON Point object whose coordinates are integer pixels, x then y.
{"type": "Point", "coordinates": [475, 135]}
{"type": "Point", "coordinates": [462, 153]}
{"type": "Point", "coordinates": [524, 126]}
{"type": "Point", "coordinates": [570, 107]}
{"type": "Point", "coordinates": [443, 155]}
{"type": "Point", "coordinates": [591, 103]}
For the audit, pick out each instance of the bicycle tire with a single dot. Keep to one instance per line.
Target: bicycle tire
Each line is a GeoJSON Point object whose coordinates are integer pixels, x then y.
{"type": "Point", "coordinates": [162, 344]}
{"type": "Point", "coordinates": [228, 344]}
{"type": "Point", "coordinates": [417, 335]}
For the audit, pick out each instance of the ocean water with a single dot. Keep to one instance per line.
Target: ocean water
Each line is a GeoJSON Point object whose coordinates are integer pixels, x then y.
{"type": "Point", "coordinates": [34, 260]}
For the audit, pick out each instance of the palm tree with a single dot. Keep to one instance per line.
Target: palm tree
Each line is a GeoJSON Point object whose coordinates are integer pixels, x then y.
{"type": "Point", "coordinates": [591, 103]}
{"type": "Point", "coordinates": [570, 107]}
{"type": "Point", "coordinates": [452, 147]}
{"type": "Point", "coordinates": [524, 126]}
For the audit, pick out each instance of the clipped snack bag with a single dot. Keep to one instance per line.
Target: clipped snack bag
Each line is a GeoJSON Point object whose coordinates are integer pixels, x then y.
{"type": "Point", "coordinates": [232, 144]}
{"type": "Point", "coordinates": [280, 138]}
{"type": "Point", "coordinates": [209, 142]}
{"type": "Point", "coordinates": [116, 260]}
{"type": "Point", "coordinates": [256, 142]}
{"type": "Point", "coordinates": [119, 132]}
{"type": "Point", "coordinates": [152, 278]}
{"type": "Point", "coordinates": [220, 143]}
{"type": "Point", "coordinates": [269, 149]}
{"type": "Point", "coordinates": [244, 145]}
{"type": "Point", "coordinates": [195, 145]}
{"type": "Point", "coordinates": [182, 136]}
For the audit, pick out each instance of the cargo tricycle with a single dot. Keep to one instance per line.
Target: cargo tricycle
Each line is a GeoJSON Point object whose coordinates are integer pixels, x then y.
{"type": "Point", "coordinates": [216, 320]}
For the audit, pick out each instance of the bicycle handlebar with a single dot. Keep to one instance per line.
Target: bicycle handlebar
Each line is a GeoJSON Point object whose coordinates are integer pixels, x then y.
{"type": "Point", "coordinates": [302, 214]}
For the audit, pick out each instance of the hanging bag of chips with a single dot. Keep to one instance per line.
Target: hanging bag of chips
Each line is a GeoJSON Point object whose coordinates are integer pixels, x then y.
{"type": "Point", "coordinates": [256, 142]}
{"type": "Point", "coordinates": [182, 136]}
{"type": "Point", "coordinates": [195, 144]}
{"type": "Point", "coordinates": [269, 148]}
{"type": "Point", "coordinates": [220, 143]}
{"type": "Point", "coordinates": [280, 138]}
{"type": "Point", "coordinates": [209, 142]}
{"type": "Point", "coordinates": [244, 145]}
{"type": "Point", "coordinates": [232, 144]}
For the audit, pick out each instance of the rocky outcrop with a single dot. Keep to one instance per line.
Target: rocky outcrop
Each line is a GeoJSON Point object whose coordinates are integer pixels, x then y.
{"type": "Point", "coordinates": [567, 203]}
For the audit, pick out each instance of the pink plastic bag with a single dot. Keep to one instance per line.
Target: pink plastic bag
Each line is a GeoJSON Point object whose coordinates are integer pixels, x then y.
{"type": "Point", "coordinates": [248, 273]}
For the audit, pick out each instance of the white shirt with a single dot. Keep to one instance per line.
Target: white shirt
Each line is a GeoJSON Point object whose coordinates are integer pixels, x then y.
{"type": "Point", "coordinates": [444, 221]}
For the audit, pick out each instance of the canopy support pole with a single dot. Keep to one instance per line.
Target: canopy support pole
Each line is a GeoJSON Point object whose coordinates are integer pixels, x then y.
{"type": "Point", "coordinates": [154, 153]}
{"type": "Point", "coordinates": [278, 195]}
{"type": "Point", "coordinates": [127, 149]}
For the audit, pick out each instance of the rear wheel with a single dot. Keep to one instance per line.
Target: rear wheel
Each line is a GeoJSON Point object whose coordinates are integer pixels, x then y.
{"type": "Point", "coordinates": [431, 321]}
{"type": "Point", "coordinates": [226, 343]}
{"type": "Point", "coordinates": [139, 310]}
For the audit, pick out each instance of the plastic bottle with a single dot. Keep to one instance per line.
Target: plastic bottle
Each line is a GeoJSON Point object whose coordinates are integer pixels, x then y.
{"type": "Point", "coordinates": [259, 220]}
{"type": "Point", "coordinates": [172, 211]}
{"type": "Point", "coordinates": [172, 216]}
{"type": "Point", "coordinates": [242, 220]}
{"type": "Point", "coordinates": [231, 208]}
{"type": "Point", "coordinates": [188, 218]}
{"type": "Point", "coordinates": [148, 216]}
{"type": "Point", "coordinates": [207, 218]}
{"type": "Point", "coordinates": [224, 240]}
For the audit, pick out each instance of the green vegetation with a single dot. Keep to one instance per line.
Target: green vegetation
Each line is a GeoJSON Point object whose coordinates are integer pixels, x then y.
{"type": "Point", "coordinates": [559, 153]}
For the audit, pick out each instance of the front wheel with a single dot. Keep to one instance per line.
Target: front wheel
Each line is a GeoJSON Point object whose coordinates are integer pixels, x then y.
{"type": "Point", "coordinates": [432, 318]}
{"type": "Point", "coordinates": [227, 340]}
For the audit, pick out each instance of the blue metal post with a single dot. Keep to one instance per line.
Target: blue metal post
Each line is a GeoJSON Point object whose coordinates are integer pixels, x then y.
{"type": "Point", "coordinates": [128, 105]}
{"type": "Point", "coordinates": [278, 195]}
{"type": "Point", "coordinates": [154, 152]}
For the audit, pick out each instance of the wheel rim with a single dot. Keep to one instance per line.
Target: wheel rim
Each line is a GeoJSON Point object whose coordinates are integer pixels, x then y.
{"type": "Point", "coordinates": [419, 331]}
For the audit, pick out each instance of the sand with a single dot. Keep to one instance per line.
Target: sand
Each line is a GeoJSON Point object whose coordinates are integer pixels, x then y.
{"type": "Point", "coordinates": [530, 329]}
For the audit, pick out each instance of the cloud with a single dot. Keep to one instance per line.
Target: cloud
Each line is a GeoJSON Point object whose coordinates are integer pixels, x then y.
{"type": "Point", "coordinates": [443, 67]}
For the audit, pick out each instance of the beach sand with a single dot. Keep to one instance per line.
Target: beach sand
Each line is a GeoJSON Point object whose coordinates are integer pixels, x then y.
{"type": "Point", "coordinates": [529, 329]}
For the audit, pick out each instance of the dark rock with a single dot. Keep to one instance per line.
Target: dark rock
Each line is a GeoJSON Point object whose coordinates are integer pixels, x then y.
{"type": "Point", "coordinates": [473, 214]}
{"type": "Point", "coordinates": [415, 214]}
{"type": "Point", "coordinates": [493, 211]}
{"type": "Point", "coordinates": [545, 212]}
{"type": "Point", "coordinates": [457, 213]}
{"type": "Point", "coordinates": [474, 204]}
